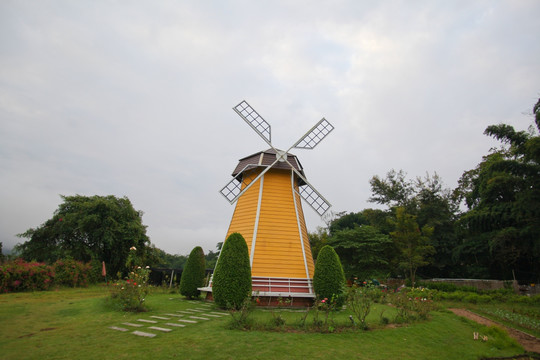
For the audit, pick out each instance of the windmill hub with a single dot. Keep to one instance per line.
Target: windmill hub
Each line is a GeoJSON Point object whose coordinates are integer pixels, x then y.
{"type": "Point", "coordinates": [281, 155]}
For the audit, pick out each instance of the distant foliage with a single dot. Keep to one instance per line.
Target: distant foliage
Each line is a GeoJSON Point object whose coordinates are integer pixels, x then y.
{"type": "Point", "coordinates": [86, 228]}
{"type": "Point", "coordinates": [232, 277]}
{"type": "Point", "coordinates": [193, 274]}
{"type": "Point", "coordinates": [329, 278]}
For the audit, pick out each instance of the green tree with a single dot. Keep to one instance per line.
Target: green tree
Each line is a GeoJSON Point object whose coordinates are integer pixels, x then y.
{"type": "Point", "coordinates": [413, 243]}
{"type": "Point", "coordinates": [101, 228]}
{"type": "Point", "coordinates": [231, 284]}
{"type": "Point", "coordinates": [363, 250]}
{"type": "Point", "coordinates": [193, 274]}
{"type": "Point", "coordinates": [503, 197]}
{"type": "Point", "coordinates": [329, 278]}
{"type": "Point", "coordinates": [317, 240]}
{"type": "Point", "coordinates": [432, 204]}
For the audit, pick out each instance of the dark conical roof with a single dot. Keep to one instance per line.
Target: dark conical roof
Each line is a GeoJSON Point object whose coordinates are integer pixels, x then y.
{"type": "Point", "coordinates": [266, 158]}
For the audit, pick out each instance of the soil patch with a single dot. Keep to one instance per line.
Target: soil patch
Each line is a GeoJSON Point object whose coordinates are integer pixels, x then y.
{"type": "Point", "coordinates": [529, 342]}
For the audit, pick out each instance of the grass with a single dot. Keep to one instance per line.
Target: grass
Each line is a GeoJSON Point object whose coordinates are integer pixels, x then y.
{"type": "Point", "coordinates": [73, 324]}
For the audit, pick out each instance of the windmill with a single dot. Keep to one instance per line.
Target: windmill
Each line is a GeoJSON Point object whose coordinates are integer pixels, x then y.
{"type": "Point", "coordinates": [267, 187]}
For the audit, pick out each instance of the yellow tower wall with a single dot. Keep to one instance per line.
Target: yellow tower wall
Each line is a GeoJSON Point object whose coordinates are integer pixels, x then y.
{"type": "Point", "coordinates": [275, 216]}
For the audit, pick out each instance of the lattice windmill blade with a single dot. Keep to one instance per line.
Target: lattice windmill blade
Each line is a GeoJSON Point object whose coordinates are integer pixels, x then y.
{"type": "Point", "coordinates": [315, 135]}
{"type": "Point", "coordinates": [233, 190]}
{"type": "Point", "coordinates": [314, 198]}
{"type": "Point", "coordinates": [256, 121]}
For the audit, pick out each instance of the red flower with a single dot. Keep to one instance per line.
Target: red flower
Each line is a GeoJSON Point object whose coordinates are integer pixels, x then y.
{"type": "Point", "coordinates": [134, 283]}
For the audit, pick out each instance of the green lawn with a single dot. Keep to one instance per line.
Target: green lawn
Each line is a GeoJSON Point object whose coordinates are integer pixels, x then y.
{"type": "Point", "coordinates": [73, 324]}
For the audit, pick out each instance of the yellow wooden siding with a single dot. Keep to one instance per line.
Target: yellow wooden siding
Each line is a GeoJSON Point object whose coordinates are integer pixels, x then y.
{"type": "Point", "coordinates": [307, 246]}
{"type": "Point", "coordinates": [243, 219]}
{"type": "Point", "coordinates": [278, 251]}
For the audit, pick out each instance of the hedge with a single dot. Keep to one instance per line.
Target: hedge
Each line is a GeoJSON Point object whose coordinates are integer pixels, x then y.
{"type": "Point", "coordinates": [193, 274]}
{"type": "Point", "coordinates": [329, 278]}
{"type": "Point", "coordinates": [231, 284]}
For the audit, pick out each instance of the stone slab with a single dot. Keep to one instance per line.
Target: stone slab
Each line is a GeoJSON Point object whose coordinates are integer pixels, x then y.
{"type": "Point", "coordinates": [177, 315]}
{"type": "Point", "coordinates": [160, 329]}
{"type": "Point", "coordinates": [147, 321]}
{"type": "Point", "coordinates": [130, 324]}
{"type": "Point", "coordinates": [219, 313]}
{"type": "Point", "coordinates": [187, 321]}
{"type": "Point", "coordinates": [198, 318]}
{"type": "Point", "coordinates": [212, 315]}
{"type": "Point", "coordinates": [185, 312]}
{"type": "Point", "coordinates": [160, 317]}
{"type": "Point", "coordinates": [145, 334]}
{"type": "Point", "coordinates": [197, 310]}
{"type": "Point", "coordinates": [117, 328]}
{"type": "Point", "coordinates": [177, 325]}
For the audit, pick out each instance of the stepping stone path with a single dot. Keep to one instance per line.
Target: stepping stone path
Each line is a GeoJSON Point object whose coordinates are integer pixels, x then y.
{"type": "Point", "coordinates": [194, 314]}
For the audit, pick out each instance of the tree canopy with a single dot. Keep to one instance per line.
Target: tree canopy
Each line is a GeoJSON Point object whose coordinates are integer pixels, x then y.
{"type": "Point", "coordinates": [86, 228]}
{"type": "Point", "coordinates": [501, 229]}
{"type": "Point", "coordinates": [495, 236]}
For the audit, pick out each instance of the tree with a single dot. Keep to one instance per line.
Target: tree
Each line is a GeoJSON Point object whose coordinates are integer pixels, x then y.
{"type": "Point", "coordinates": [432, 204]}
{"type": "Point", "coordinates": [317, 240]}
{"type": "Point", "coordinates": [193, 274]}
{"type": "Point", "coordinates": [503, 197]}
{"type": "Point", "coordinates": [329, 278]}
{"type": "Point", "coordinates": [231, 284]}
{"type": "Point", "coordinates": [100, 228]}
{"type": "Point", "coordinates": [363, 250]}
{"type": "Point", "coordinates": [413, 243]}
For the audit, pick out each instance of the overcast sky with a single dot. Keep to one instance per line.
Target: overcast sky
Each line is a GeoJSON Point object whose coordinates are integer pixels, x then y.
{"type": "Point", "coordinates": [134, 98]}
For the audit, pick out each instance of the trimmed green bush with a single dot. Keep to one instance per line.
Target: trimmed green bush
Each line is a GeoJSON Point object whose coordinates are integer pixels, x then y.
{"type": "Point", "coordinates": [329, 278]}
{"type": "Point", "coordinates": [231, 284]}
{"type": "Point", "coordinates": [193, 274]}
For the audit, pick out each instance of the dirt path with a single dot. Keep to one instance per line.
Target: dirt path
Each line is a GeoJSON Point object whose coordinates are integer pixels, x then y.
{"type": "Point", "coordinates": [529, 342]}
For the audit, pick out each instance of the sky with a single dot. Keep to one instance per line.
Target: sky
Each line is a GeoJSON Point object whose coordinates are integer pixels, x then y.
{"type": "Point", "coordinates": [135, 98]}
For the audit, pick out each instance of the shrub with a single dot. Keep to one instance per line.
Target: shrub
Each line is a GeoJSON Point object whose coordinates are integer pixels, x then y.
{"type": "Point", "coordinates": [329, 279]}
{"type": "Point", "coordinates": [130, 294]}
{"type": "Point", "coordinates": [231, 283]}
{"type": "Point", "coordinates": [193, 274]}
{"type": "Point", "coordinates": [19, 275]}
{"type": "Point", "coordinates": [69, 272]}
{"type": "Point", "coordinates": [360, 300]}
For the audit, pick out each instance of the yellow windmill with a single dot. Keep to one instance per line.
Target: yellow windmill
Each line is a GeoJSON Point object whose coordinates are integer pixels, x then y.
{"type": "Point", "coordinates": [267, 187]}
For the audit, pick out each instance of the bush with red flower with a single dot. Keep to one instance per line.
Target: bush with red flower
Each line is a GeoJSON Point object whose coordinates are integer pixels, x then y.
{"type": "Point", "coordinates": [19, 275]}
{"type": "Point", "coordinates": [130, 294]}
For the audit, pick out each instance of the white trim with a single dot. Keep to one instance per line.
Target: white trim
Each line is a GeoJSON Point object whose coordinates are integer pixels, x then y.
{"type": "Point", "coordinates": [299, 226]}
{"type": "Point", "coordinates": [256, 225]}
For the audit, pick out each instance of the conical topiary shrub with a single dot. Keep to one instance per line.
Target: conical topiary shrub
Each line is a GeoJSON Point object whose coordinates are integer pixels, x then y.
{"type": "Point", "coordinates": [231, 284]}
{"type": "Point", "coordinates": [329, 278]}
{"type": "Point", "coordinates": [193, 274]}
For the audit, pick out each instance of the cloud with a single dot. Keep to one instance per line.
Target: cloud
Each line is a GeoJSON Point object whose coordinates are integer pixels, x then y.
{"type": "Point", "coordinates": [134, 99]}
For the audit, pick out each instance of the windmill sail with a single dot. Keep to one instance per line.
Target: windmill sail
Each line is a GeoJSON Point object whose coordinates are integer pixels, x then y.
{"type": "Point", "coordinates": [254, 120]}
{"type": "Point", "coordinates": [315, 135]}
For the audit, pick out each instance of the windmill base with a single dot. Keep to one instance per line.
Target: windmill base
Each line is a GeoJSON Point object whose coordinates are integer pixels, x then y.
{"type": "Point", "coordinates": [283, 292]}
{"type": "Point", "coordinates": [272, 300]}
